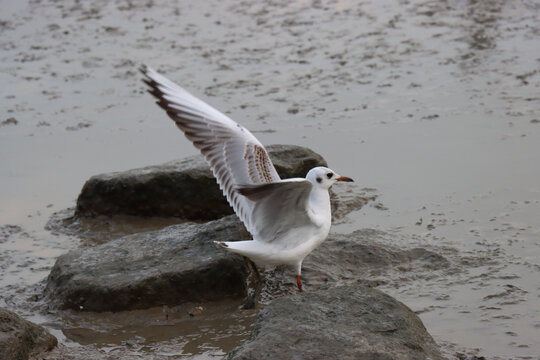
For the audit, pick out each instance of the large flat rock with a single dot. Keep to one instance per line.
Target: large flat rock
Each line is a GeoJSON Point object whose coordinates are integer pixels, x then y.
{"type": "Point", "coordinates": [348, 322]}
{"type": "Point", "coordinates": [177, 264]}
{"type": "Point", "coordinates": [183, 188]}
{"type": "Point", "coordinates": [20, 339]}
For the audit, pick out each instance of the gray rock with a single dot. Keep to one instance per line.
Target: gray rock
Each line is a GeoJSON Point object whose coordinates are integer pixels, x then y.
{"type": "Point", "coordinates": [20, 338]}
{"type": "Point", "coordinates": [294, 161]}
{"type": "Point", "coordinates": [182, 188]}
{"type": "Point", "coordinates": [364, 254]}
{"type": "Point", "coordinates": [346, 198]}
{"type": "Point", "coordinates": [349, 322]}
{"type": "Point", "coordinates": [176, 264]}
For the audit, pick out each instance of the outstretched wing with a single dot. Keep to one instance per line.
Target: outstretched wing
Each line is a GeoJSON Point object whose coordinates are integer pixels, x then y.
{"type": "Point", "coordinates": [234, 154]}
{"type": "Point", "coordinates": [279, 207]}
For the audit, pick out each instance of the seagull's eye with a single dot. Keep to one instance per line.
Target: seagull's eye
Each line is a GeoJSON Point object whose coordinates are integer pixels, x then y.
{"type": "Point", "coordinates": [329, 175]}
{"type": "Point", "coordinates": [319, 179]}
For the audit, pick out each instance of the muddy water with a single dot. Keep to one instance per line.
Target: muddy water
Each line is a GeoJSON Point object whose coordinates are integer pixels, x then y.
{"type": "Point", "coordinates": [434, 104]}
{"type": "Point", "coordinates": [186, 330]}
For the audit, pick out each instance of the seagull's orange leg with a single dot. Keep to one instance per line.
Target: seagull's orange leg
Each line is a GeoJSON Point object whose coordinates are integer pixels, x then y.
{"type": "Point", "coordinates": [299, 283]}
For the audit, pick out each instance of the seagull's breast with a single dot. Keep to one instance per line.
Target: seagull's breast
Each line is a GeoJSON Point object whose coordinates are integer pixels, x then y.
{"type": "Point", "coordinates": [319, 209]}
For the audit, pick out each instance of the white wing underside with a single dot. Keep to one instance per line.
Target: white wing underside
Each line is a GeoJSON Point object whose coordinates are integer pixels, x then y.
{"type": "Point", "coordinates": [238, 161]}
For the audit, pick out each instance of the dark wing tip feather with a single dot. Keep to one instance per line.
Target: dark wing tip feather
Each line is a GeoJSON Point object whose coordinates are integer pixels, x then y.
{"type": "Point", "coordinates": [155, 91]}
{"type": "Point", "coordinates": [165, 106]}
{"type": "Point", "coordinates": [148, 81]}
{"type": "Point", "coordinates": [152, 84]}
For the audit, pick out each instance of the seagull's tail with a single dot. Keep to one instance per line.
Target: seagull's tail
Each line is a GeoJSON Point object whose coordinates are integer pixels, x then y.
{"type": "Point", "coordinates": [258, 251]}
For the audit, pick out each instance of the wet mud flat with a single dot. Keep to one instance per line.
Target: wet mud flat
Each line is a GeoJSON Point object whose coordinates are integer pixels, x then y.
{"type": "Point", "coordinates": [434, 104]}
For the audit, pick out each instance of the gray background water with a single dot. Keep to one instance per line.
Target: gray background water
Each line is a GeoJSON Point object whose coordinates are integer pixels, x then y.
{"type": "Point", "coordinates": [436, 105]}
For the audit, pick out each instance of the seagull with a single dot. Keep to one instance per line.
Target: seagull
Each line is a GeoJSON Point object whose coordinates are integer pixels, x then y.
{"type": "Point", "coordinates": [288, 218]}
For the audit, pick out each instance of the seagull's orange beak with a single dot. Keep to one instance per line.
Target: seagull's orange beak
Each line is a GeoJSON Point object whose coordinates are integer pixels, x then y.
{"type": "Point", "coordinates": [344, 178]}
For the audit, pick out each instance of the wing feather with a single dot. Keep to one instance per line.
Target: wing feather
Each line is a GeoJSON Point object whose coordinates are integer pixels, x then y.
{"type": "Point", "coordinates": [279, 207]}
{"type": "Point", "coordinates": [233, 153]}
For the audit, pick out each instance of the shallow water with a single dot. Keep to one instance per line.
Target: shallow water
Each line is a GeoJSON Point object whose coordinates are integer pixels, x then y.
{"type": "Point", "coordinates": [434, 104]}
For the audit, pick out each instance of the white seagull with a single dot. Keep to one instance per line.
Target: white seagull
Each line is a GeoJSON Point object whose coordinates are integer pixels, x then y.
{"type": "Point", "coordinates": [288, 218]}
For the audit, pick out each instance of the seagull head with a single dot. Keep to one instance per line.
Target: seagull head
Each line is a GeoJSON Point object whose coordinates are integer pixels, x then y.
{"type": "Point", "coordinates": [324, 177]}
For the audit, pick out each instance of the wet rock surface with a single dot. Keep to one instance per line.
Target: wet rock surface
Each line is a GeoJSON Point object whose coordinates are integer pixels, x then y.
{"type": "Point", "coordinates": [362, 256]}
{"type": "Point", "coordinates": [184, 188]}
{"type": "Point", "coordinates": [177, 264]}
{"type": "Point", "coordinates": [20, 339]}
{"type": "Point", "coordinates": [348, 322]}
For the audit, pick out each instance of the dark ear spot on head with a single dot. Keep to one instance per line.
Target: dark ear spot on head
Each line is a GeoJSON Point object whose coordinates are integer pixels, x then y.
{"type": "Point", "coordinates": [319, 179]}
